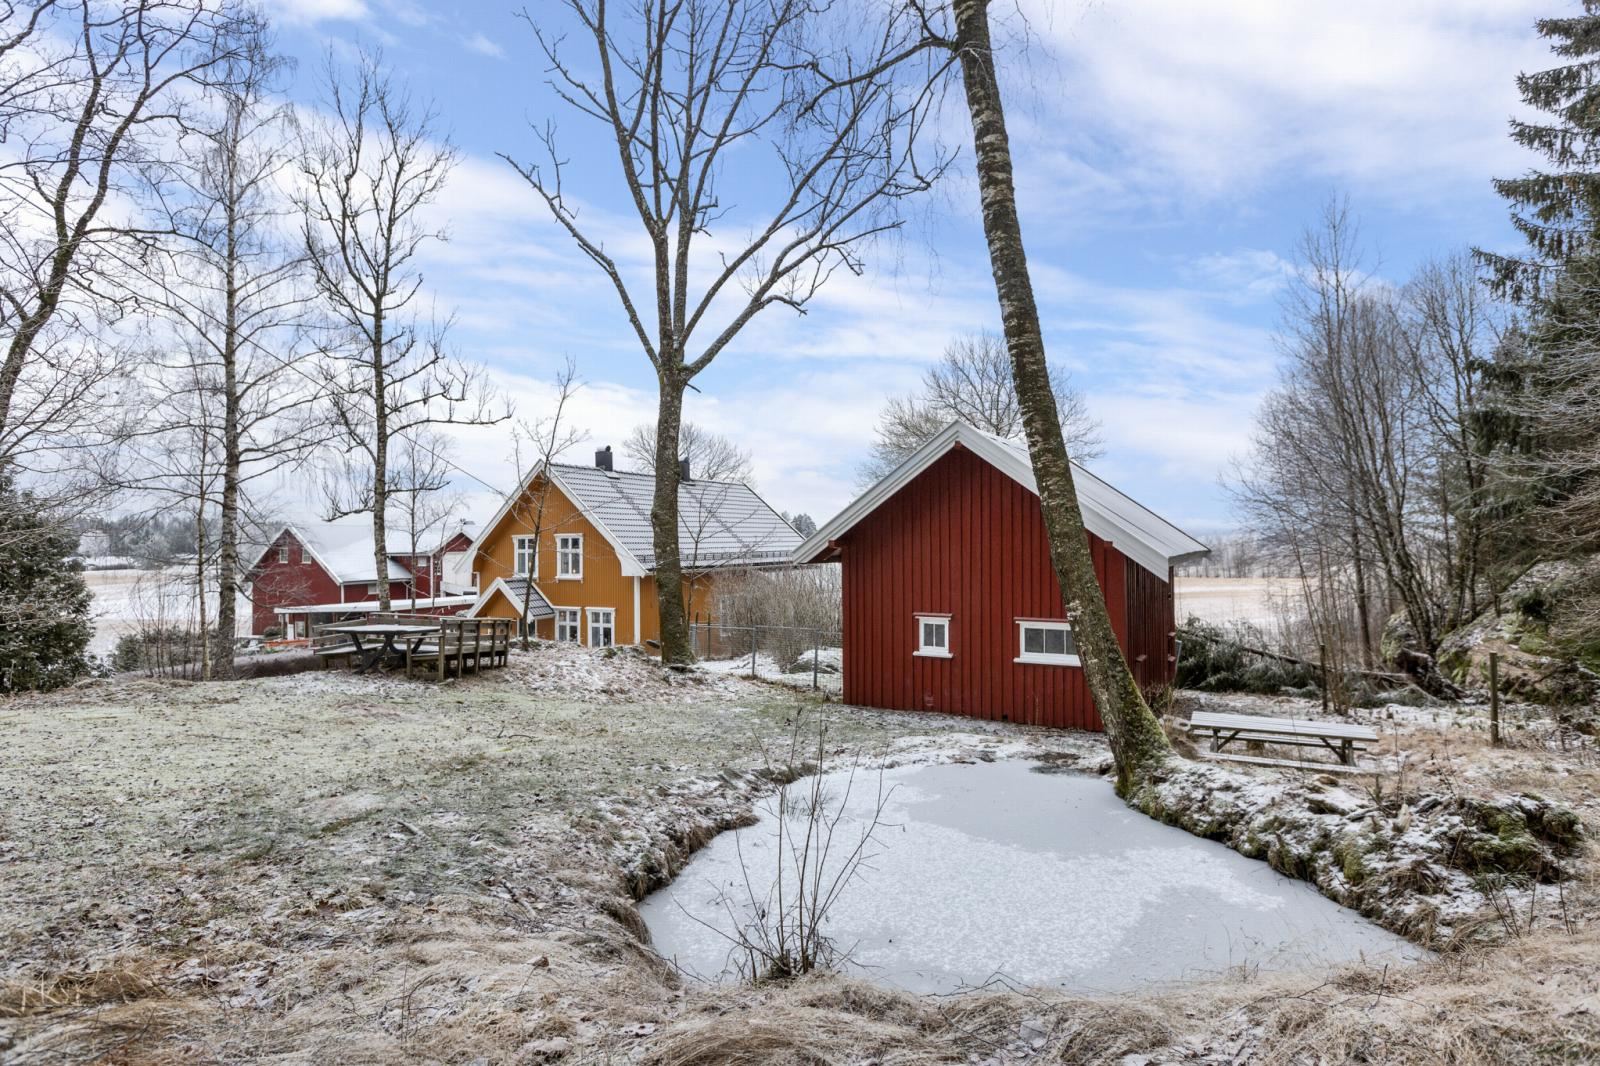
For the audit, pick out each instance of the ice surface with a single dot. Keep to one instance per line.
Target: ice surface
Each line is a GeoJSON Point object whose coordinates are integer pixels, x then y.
{"type": "Point", "coordinates": [994, 871]}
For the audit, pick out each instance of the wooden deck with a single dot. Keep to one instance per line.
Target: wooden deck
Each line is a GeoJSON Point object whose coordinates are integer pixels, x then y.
{"type": "Point", "coordinates": [431, 645]}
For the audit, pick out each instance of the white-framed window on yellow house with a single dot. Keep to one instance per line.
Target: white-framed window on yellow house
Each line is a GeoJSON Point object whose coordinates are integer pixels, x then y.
{"type": "Point", "coordinates": [525, 561]}
{"type": "Point", "coordinates": [569, 557]}
{"type": "Point", "coordinates": [933, 636]}
{"type": "Point", "coordinates": [569, 624]}
{"type": "Point", "coordinates": [602, 626]}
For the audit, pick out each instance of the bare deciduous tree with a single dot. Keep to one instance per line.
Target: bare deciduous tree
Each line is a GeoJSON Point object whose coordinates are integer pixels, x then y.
{"type": "Point", "coordinates": [798, 92]}
{"type": "Point", "coordinates": [972, 383]}
{"type": "Point", "coordinates": [369, 169]}
{"type": "Point", "coordinates": [235, 286]}
{"type": "Point", "coordinates": [711, 456]}
{"type": "Point", "coordinates": [92, 96]}
{"type": "Point", "coordinates": [541, 442]}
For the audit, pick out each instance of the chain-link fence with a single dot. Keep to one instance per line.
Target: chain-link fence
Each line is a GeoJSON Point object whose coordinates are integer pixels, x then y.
{"type": "Point", "coordinates": [795, 655]}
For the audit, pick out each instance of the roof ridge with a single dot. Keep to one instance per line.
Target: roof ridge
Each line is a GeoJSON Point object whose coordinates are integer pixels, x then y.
{"type": "Point", "coordinates": [651, 476]}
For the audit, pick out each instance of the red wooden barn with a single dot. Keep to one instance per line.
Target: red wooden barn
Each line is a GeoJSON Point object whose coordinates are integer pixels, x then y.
{"type": "Point", "coordinates": [950, 602]}
{"type": "Point", "coordinates": [321, 571]}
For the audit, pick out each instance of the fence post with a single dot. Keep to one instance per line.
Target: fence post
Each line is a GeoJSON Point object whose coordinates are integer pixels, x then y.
{"type": "Point", "coordinates": [816, 658]}
{"type": "Point", "coordinates": [752, 651]}
{"type": "Point", "coordinates": [1494, 699]}
{"type": "Point", "coordinates": [1322, 654]}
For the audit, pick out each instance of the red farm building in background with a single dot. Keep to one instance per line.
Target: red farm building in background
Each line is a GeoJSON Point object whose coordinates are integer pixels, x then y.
{"type": "Point", "coordinates": [950, 601]}
{"type": "Point", "coordinates": [318, 572]}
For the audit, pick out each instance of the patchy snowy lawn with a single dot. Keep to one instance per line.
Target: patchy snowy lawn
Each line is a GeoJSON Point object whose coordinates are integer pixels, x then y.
{"type": "Point", "coordinates": [332, 867]}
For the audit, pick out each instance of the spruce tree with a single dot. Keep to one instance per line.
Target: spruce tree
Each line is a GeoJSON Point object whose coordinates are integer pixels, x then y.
{"type": "Point", "coordinates": [1557, 210]}
{"type": "Point", "coordinates": [44, 602]}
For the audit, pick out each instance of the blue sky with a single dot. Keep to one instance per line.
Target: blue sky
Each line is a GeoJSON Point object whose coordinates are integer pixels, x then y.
{"type": "Point", "coordinates": [1169, 154]}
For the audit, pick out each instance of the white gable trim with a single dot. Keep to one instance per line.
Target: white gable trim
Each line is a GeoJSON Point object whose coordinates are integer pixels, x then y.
{"type": "Point", "coordinates": [631, 566]}
{"type": "Point", "coordinates": [305, 545]}
{"type": "Point", "coordinates": [505, 590]}
{"type": "Point", "coordinates": [1135, 530]}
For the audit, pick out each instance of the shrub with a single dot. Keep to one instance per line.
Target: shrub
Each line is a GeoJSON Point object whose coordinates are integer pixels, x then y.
{"type": "Point", "coordinates": [44, 603]}
{"type": "Point", "coordinates": [156, 649]}
{"type": "Point", "coordinates": [1216, 658]}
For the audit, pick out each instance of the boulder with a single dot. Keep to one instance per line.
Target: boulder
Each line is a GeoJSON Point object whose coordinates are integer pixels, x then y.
{"type": "Point", "coordinates": [1538, 663]}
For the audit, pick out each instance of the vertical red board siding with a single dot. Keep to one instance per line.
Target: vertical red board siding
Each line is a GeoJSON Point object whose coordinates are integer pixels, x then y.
{"type": "Point", "coordinates": [299, 580]}
{"type": "Point", "coordinates": [965, 540]}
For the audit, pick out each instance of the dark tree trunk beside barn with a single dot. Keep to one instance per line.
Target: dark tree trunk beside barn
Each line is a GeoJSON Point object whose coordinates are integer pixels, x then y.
{"type": "Point", "coordinates": [1137, 741]}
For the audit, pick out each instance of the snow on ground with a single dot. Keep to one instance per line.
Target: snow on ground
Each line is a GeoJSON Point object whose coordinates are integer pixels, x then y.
{"type": "Point", "coordinates": [344, 867]}
{"type": "Point", "coordinates": [125, 600]}
{"type": "Point", "coordinates": [1257, 600]}
{"type": "Point", "coordinates": [829, 676]}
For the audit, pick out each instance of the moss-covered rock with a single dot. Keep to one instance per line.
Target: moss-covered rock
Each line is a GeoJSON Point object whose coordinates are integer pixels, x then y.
{"type": "Point", "coordinates": [1544, 647]}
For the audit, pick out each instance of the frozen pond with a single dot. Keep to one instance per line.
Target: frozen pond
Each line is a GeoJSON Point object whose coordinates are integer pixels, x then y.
{"type": "Point", "coordinates": [997, 871]}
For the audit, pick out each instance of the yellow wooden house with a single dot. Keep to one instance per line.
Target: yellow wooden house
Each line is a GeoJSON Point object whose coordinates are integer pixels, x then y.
{"type": "Point", "coordinates": [571, 553]}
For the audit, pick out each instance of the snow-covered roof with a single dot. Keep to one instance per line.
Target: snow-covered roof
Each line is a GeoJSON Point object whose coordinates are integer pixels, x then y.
{"type": "Point", "coordinates": [516, 590]}
{"type": "Point", "coordinates": [720, 523]}
{"type": "Point", "coordinates": [1136, 531]}
{"type": "Point", "coordinates": [344, 547]}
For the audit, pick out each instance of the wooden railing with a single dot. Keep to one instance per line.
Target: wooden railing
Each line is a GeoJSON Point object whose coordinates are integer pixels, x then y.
{"type": "Point", "coordinates": [463, 641]}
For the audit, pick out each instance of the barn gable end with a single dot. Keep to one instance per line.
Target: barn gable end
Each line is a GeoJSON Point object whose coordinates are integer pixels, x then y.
{"type": "Point", "coordinates": [956, 535]}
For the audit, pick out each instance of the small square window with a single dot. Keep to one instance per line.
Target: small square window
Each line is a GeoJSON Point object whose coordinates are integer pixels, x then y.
{"type": "Point", "coordinates": [1050, 643]}
{"type": "Point", "coordinates": [933, 635]}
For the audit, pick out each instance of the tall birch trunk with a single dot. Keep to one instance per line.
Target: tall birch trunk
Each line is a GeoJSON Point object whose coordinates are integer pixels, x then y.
{"type": "Point", "coordinates": [1138, 744]}
{"type": "Point", "coordinates": [228, 548]}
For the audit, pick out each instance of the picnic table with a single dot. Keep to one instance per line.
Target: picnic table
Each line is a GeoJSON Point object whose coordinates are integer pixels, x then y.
{"type": "Point", "coordinates": [382, 637]}
{"type": "Point", "coordinates": [1342, 738]}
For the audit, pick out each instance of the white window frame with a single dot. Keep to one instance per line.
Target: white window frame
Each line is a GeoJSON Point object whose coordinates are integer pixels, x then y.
{"type": "Point", "coordinates": [576, 552]}
{"type": "Point", "coordinates": [1043, 658]}
{"type": "Point", "coordinates": [283, 553]}
{"type": "Point", "coordinates": [591, 622]}
{"type": "Point", "coordinates": [525, 550]}
{"type": "Point", "coordinates": [933, 651]}
{"type": "Point", "coordinates": [575, 622]}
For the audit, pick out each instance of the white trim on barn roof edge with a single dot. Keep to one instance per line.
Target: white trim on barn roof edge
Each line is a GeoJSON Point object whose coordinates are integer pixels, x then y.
{"type": "Point", "coordinates": [1108, 513]}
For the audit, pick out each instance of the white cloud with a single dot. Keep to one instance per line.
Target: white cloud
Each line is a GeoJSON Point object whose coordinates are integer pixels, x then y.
{"type": "Point", "coordinates": [483, 46]}
{"type": "Point", "coordinates": [1177, 99]}
{"type": "Point", "coordinates": [320, 10]}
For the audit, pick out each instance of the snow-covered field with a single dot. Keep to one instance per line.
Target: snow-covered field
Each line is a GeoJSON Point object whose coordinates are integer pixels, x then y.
{"type": "Point", "coordinates": [126, 599]}
{"type": "Point", "coordinates": [1257, 600]}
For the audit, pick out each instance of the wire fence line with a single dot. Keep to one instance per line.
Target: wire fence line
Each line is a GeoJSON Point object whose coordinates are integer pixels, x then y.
{"type": "Point", "coordinates": [787, 653]}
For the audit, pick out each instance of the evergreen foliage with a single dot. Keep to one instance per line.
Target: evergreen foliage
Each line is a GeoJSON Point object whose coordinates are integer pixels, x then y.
{"type": "Point", "coordinates": [44, 602]}
{"type": "Point", "coordinates": [1556, 210]}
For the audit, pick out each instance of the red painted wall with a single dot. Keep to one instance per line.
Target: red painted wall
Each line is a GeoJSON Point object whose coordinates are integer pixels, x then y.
{"type": "Point", "coordinates": [965, 540]}
{"type": "Point", "coordinates": [300, 580]}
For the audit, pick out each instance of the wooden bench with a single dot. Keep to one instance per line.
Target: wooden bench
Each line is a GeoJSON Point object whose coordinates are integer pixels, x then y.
{"type": "Point", "coordinates": [1341, 738]}
{"type": "Point", "coordinates": [328, 646]}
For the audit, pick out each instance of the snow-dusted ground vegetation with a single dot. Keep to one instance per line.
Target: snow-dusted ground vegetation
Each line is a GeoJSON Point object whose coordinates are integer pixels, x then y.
{"type": "Point", "coordinates": [331, 867]}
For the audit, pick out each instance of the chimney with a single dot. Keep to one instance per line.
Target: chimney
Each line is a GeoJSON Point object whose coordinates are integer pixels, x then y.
{"type": "Point", "coordinates": [602, 458]}
{"type": "Point", "coordinates": [683, 469]}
